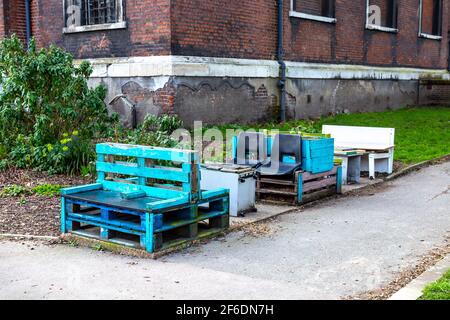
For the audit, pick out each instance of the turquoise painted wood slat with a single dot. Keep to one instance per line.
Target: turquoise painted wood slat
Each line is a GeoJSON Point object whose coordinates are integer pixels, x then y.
{"type": "Point", "coordinates": [339, 180]}
{"type": "Point", "coordinates": [234, 146]}
{"type": "Point", "coordinates": [168, 204]}
{"type": "Point", "coordinates": [126, 150]}
{"type": "Point", "coordinates": [100, 174]}
{"type": "Point", "coordinates": [300, 189]}
{"type": "Point", "coordinates": [142, 179]}
{"type": "Point", "coordinates": [133, 195]}
{"type": "Point", "coordinates": [149, 191]}
{"type": "Point", "coordinates": [210, 194]}
{"type": "Point", "coordinates": [85, 188]}
{"type": "Point", "coordinates": [102, 224]}
{"type": "Point", "coordinates": [145, 172]}
{"type": "Point", "coordinates": [63, 215]}
{"type": "Point", "coordinates": [149, 232]}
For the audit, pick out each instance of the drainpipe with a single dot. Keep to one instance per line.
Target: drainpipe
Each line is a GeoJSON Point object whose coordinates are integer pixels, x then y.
{"type": "Point", "coordinates": [280, 56]}
{"type": "Point", "coordinates": [448, 53]}
{"type": "Point", "coordinates": [28, 21]}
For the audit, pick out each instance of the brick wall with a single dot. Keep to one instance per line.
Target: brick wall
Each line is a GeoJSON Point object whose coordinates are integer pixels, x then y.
{"type": "Point", "coordinates": [247, 29]}
{"type": "Point", "coordinates": [148, 31]}
{"type": "Point", "coordinates": [12, 18]}
{"type": "Point", "coordinates": [239, 29]}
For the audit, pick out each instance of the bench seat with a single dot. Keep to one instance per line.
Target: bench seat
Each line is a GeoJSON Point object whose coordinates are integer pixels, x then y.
{"type": "Point", "coordinates": [113, 199]}
{"type": "Point", "coordinates": [150, 196]}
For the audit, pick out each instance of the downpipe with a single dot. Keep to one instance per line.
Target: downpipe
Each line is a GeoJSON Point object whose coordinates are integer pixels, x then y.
{"type": "Point", "coordinates": [280, 56]}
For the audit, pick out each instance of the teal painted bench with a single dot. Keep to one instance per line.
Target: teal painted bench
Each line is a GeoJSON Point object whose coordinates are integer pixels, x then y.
{"type": "Point", "coordinates": [145, 197]}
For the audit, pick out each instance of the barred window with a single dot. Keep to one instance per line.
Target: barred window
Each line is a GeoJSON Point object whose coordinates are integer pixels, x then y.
{"type": "Point", "coordinates": [92, 12]}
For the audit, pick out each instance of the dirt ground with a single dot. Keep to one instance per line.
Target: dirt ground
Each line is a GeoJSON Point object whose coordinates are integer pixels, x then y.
{"type": "Point", "coordinates": [32, 214]}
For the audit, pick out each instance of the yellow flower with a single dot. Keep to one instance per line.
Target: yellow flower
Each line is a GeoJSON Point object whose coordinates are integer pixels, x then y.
{"type": "Point", "coordinates": [65, 141]}
{"type": "Point", "coordinates": [65, 148]}
{"type": "Point", "coordinates": [75, 133]}
{"type": "Point", "coordinates": [65, 135]}
{"type": "Point", "coordinates": [49, 147]}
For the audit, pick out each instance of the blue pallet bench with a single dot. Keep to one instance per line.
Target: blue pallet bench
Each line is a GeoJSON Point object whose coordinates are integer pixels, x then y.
{"type": "Point", "coordinates": [145, 197]}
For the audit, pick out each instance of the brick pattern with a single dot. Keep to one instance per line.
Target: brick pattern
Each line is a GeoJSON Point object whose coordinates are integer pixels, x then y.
{"type": "Point", "coordinates": [12, 20]}
{"type": "Point", "coordinates": [148, 31]}
{"type": "Point", "coordinates": [240, 29]}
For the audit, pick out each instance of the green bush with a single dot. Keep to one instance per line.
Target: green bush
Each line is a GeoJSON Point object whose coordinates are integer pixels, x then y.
{"type": "Point", "coordinates": [154, 131]}
{"type": "Point", "coordinates": [13, 191]}
{"type": "Point", "coordinates": [47, 190]}
{"type": "Point", "coordinates": [49, 117]}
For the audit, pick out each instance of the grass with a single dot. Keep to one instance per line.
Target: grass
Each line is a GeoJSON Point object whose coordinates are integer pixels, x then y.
{"type": "Point", "coordinates": [438, 290]}
{"type": "Point", "coordinates": [422, 133]}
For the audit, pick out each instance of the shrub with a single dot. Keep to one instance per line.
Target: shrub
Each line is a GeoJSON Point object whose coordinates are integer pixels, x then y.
{"type": "Point", "coordinates": [48, 190]}
{"type": "Point", "coordinates": [13, 191]}
{"type": "Point", "coordinates": [154, 131]}
{"type": "Point", "coordinates": [48, 114]}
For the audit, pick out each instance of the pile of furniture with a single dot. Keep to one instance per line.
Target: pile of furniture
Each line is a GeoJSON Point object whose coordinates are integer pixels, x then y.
{"type": "Point", "coordinates": [289, 168]}
{"type": "Point", "coordinates": [145, 197]}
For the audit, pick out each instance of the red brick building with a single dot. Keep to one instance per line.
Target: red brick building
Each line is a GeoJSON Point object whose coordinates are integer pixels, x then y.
{"type": "Point", "coordinates": [218, 61]}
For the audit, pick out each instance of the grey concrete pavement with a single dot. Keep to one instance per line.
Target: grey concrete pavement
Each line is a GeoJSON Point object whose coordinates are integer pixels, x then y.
{"type": "Point", "coordinates": [339, 248]}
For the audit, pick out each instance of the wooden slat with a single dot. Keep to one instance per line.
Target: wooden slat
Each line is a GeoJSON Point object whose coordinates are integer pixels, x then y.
{"type": "Point", "coordinates": [280, 192]}
{"type": "Point", "coordinates": [150, 191]}
{"type": "Point", "coordinates": [85, 188]}
{"type": "Point", "coordinates": [153, 173]}
{"type": "Point", "coordinates": [126, 150]}
{"type": "Point", "coordinates": [277, 181]}
{"type": "Point", "coordinates": [319, 184]}
{"type": "Point", "coordinates": [307, 176]}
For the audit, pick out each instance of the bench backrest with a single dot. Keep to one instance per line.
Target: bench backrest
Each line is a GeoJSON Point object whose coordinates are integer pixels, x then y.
{"type": "Point", "coordinates": [178, 176]}
{"type": "Point", "coordinates": [367, 138]}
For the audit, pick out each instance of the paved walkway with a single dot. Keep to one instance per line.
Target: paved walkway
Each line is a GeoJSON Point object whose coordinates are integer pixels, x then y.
{"type": "Point", "coordinates": [330, 251]}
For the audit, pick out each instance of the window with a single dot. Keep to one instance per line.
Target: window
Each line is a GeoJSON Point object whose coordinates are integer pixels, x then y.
{"type": "Point", "coordinates": [430, 23]}
{"type": "Point", "coordinates": [382, 15]}
{"type": "Point", "coordinates": [319, 10]}
{"type": "Point", "coordinates": [90, 15]}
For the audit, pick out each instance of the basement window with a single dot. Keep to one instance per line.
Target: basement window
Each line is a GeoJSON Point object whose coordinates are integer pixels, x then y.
{"type": "Point", "coordinates": [318, 10]}
{"type": "Point", "coordinates": [382, 15]}
{"type": "Point", "coordinates": [92, 15]}
{"type": "Point", "coordinates": [430, 23]}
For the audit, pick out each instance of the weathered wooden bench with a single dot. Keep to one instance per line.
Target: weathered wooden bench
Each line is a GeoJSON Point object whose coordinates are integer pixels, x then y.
{"type": "Point", "coordinates": [145, 197]}
{"type": "Point", "coordinates": [377, 142]}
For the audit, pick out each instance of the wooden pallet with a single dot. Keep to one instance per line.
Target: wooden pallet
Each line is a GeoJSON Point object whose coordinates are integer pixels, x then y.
{"type": "Point", "coordinates": [300, 188]}
{"type": "Point", "coordinates": [140, 204]}
{"type": "Point", "coordinates": [129, 228]}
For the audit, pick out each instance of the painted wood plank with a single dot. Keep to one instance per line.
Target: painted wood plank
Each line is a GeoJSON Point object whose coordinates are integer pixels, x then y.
{"type": "Point", "coordinates": [322, 183]}
{"type": "Point", "coordinates": [339, 180]}
{"type": "Point", "coordinates": [133, 195]}
{"type": "Point", "coordinates": [85, 188]}
{"type": "Point", "coordinates": [168, 204]}
{"type": "Point", "coordinates": [150, 191]}
{"type": "Point", "coordinates": [307, 176]}
{"type": "Point", "coordinates": [149, 232]}
{"type": "Point", "coordinates": [176, 155]}
{"type": "Point", "coordinates": [145, 172]}
{"type": "Point", "coordinates": [211, 194]}
{"type": "Point", "coordinates": [299, 187]}
{"type": "Point", "coordinates": [63, 215]}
